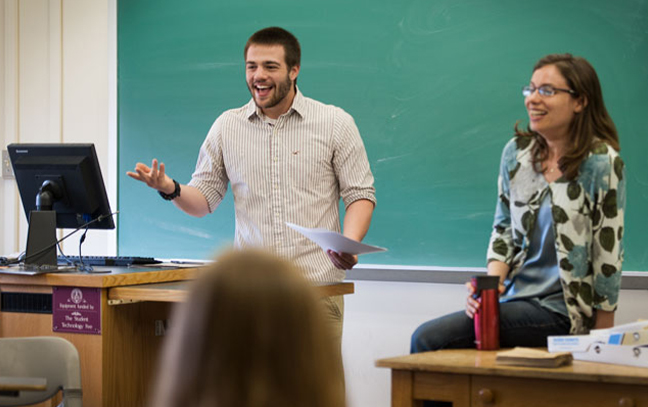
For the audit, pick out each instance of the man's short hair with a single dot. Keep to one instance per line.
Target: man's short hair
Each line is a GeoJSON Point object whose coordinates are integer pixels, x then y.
{"type": "Point", "coordinates": [277, 36]}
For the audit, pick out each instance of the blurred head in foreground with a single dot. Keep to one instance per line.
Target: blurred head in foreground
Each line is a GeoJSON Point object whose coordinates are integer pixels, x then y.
{"type": "Point", "coordinates": [252, 334]}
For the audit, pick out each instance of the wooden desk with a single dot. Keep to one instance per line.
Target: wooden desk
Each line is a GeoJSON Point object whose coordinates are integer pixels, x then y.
{"type": "Point", "coordinates": [470, 378]}
{"type": "Point", "coordinates": [117, 366]}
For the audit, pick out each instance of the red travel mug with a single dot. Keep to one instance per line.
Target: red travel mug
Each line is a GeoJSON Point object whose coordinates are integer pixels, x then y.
{"type": "Point", "coordinates": [487, 316]}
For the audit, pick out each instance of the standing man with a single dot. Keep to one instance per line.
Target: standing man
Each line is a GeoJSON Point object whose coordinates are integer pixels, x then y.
{"type": "Point", "coordinates": [288, 158]}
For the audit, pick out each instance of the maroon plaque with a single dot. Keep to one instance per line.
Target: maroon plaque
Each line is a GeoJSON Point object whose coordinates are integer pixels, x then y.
{"type": "Point", "coordinates": [76, 310]}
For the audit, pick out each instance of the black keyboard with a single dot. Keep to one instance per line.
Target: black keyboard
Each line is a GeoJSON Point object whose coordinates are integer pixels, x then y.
{"type": "Point", "coordinates": [119, 261]}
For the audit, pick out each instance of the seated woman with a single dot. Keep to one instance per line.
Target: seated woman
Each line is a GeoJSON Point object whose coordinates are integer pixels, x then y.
{"type": "Point", "coordinates": [252, 334]}
{"type": "Point", "coordinates": [556, 243]}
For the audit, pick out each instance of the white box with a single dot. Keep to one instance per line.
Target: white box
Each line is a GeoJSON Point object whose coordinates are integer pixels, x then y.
{"type": "Point", "coordinates": [616, 354]}
{"type": "Point", "coordinates": [634, 333]}
{"type": "Point", "coordinates": [578, 343]}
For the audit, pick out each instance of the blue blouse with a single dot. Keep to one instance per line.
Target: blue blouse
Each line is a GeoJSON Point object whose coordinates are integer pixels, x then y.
{"type": "Point", "coordinates": [539, 278]}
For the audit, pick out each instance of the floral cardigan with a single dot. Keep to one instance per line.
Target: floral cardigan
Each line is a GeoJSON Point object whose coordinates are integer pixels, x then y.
{"type": "Point", "coordinates": [587, 223]}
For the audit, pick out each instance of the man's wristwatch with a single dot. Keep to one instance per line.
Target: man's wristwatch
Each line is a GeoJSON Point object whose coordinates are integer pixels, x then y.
{"type": "Point", "coordinates": [172, 195]}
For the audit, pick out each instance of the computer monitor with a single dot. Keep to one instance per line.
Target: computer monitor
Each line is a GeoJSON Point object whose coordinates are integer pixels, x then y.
{"type": "Point", "coordinates": [61, 187]}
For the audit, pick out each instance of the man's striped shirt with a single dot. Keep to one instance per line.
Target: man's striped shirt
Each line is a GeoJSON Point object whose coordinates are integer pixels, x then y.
{"type": "Point", "coordinates": [294, 169]}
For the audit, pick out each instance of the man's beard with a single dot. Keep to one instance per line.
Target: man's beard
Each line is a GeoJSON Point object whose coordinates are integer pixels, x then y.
{"type": "Point", "coordinates": [281, 90]}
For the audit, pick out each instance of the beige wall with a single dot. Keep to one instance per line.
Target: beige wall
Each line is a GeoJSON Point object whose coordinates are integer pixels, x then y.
{"type": "Point", "coordinates": [58, 86]}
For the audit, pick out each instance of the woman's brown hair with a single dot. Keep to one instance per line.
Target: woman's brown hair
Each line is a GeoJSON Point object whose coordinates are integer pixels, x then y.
{"type": "Point", "coordinates": [592, 123]}
{"type": "Point", "coordinates": [252, 334]}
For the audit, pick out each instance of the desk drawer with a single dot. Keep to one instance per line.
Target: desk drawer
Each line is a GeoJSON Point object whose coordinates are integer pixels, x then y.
{"type": "Point", "coordinates": [442, 387]}
{"type": "Point", "coordinates": [516, 392]}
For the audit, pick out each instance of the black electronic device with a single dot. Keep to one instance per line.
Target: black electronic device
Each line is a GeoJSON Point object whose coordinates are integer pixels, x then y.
{"type": "Point", "coordinates": [61, 187]}
{"type": "Point", "coordinates": [118, 261]}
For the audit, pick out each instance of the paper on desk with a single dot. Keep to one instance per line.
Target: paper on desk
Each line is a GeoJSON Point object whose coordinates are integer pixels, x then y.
{"type": "Point", "coordinates": [335, 241]}
{"type": "Point", "coordinates": [180, 263]}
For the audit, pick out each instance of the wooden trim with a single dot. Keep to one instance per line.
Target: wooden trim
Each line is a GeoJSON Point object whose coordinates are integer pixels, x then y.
{"type": "Point", "coordinates": [160, 292]}
{"type": "Point", "coordinates": [38, 289]}
{"type": "Point", "coordinates": [333, 289]}
{"type": "Point", "coordinates": [118, 276]}
{"type": "Point", "coordinates": [178, 291]}
{"type": "Point", "coordinates": [482, 363]}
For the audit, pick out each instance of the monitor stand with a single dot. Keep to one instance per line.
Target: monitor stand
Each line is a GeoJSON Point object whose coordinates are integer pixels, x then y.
{"type": "Point", "coordinates": [41, 239]}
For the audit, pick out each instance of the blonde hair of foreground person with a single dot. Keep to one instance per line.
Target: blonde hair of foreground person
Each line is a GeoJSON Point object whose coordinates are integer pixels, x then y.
{"type": "Point", "coordinates": [252, 334]}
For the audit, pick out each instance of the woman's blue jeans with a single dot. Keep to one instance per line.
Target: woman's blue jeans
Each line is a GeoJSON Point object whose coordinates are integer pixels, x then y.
{"type": "Point", "coordinates": [522, 323]}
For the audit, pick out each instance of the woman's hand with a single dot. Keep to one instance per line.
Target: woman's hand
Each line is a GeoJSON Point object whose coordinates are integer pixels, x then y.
{"type": "Point", "coordinates": [472, 305]}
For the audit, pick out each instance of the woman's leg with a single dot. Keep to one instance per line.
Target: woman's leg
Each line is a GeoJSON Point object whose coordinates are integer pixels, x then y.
{"type": "Point", "coordinates": [526, 323]}
{"type": "Point", "coordinates": [522, 323]}
{"type": "Point", "coordinates": [452, 331]}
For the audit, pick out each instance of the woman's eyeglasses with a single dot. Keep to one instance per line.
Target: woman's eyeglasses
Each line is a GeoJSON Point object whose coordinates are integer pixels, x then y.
{"type": "Point", "coordinates": [545, 90]}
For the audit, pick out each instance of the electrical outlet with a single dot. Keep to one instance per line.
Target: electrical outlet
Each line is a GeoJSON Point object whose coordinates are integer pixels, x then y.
{"type": "Point", "coordinates": [7, 170]}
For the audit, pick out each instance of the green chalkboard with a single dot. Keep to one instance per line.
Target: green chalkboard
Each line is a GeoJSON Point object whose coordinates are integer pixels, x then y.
{"type": "Point", "coordinates": [434, 87]}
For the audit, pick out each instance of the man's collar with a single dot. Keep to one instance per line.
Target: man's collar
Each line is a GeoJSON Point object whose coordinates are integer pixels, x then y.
{"type": "Point", "coordinates": [299, 103]}
{"type": "Point", "coordinates": [298, 106]}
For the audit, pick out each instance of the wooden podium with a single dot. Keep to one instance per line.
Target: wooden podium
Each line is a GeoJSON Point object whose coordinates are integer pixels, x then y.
{"type": "Point", "coordinates": [117, 365]}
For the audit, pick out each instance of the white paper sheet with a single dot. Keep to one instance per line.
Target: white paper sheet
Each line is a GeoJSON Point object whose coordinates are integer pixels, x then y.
{"type": "Point", "coordinates": [337, 242]}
